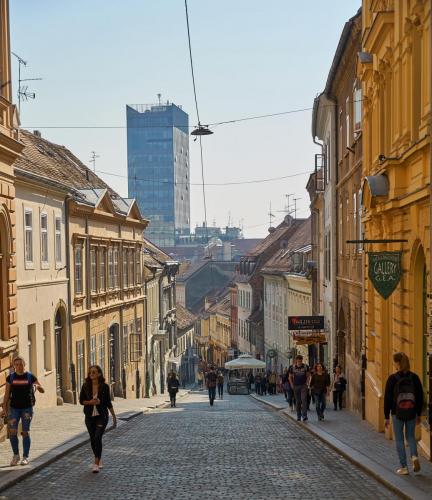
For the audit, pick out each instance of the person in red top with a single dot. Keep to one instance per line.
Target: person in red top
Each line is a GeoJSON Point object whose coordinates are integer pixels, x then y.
{"type": "Point", "coordinates": [18, 405]}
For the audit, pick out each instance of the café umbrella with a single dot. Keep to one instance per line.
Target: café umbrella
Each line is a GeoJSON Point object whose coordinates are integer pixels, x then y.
{"type": "Point", "coordinates": [245, 362]}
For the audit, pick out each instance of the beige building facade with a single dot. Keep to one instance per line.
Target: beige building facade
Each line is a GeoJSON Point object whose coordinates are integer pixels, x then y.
{"type": "Point", "coordinates": [42, 283]}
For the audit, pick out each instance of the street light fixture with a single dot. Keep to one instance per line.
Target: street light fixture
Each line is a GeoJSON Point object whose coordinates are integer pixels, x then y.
{"type": "Point", "coordinates": [201, 130]}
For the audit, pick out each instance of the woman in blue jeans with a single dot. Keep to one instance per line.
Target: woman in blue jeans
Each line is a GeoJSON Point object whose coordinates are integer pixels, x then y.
{"type": "Point", "coordinates": [403, 399]}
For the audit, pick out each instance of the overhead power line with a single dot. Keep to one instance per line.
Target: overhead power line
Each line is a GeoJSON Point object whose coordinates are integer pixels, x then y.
{"type": "Point", "coordinates": [228, 183]}
{"type": "Point", "coordinates": [225, 122]}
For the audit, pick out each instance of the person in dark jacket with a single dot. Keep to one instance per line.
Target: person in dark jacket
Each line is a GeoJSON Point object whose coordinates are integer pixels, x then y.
{"type": "Point", "coordinates": [173, 387]}
{"type": "Point", "coordinates": [403, 399]}
{"type": "Point", "coordinates": [96, 399]}
{"type": "Point", "coordinates": [319, 384]}
{"type": "Point", "coordinates": [211, 382]}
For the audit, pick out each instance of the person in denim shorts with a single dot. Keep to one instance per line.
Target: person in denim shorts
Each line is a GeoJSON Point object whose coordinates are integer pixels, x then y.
{"type": "Point", "coordinates": [18, 405]}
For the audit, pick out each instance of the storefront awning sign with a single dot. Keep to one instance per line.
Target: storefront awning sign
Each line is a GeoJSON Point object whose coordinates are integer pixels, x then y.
{"type": "Point", "coordinates": [299, 323]}
{"type": "Point", "coordinates": [385, 271]}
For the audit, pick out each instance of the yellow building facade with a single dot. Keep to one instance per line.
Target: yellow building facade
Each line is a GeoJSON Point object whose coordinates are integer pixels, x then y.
{"type": "Point", "coordinates": [10, 148]}
{"type": "Point", "coordinates": [395, 70]}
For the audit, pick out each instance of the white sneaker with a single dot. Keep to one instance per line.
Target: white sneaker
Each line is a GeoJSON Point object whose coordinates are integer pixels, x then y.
{"type": "Point", "coordinates": [403, 471]}
{"type": "Point", "coordinates": [95, 468]}
{"type": "Point", "coordinates": [100, 465]}
{"type": "Point", "coordinates": [24, 461]}
{"type": "Point", "coordinates": [15, 460]}
{"type": "Point", "coordinates": [416, 464]}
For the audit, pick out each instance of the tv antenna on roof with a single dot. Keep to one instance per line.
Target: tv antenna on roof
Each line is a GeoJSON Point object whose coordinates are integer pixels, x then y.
{"type": "Point", "coordinates": [295, 207]}
{"type": "Point", "coordinates": [23, 91]}
{"type": "Point", "coordinates": [93, 160]}
{"type": "Point", "coordinates": [271, 216]}
{"type": "Point", "coordinates": [159, 98]}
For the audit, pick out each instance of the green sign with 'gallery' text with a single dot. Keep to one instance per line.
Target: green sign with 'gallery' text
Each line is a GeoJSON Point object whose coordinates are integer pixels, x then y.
{"type": "Point", "coordinates": [385, 271]}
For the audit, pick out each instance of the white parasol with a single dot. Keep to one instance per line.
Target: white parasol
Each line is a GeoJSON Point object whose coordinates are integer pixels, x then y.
{"type": "Point", "coordinates": [245, 361]}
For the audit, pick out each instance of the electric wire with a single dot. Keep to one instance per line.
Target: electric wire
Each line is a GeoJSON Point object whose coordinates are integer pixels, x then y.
{"type": "Point", "coordinates": [199, 122]}
{"type": "Point", "coordinates": [214, 124]}
{"type": "Point", "coordinates": [229, 183]}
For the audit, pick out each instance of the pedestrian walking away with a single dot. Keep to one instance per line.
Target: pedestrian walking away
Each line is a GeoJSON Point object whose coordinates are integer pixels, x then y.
{"type": "Point", "coordinates": [173, 387]}
{"type": "Point", "coordinates": [320, 382]}
{"type": "Point", "coordinates": [211, 381]}
{"type": "Point", "coordinates": [403, 400]}
{"type": "Point", "coordinates": [96, 399]}
{"type": "Point", "coordinates": [338, 387]}
{"type": "Point", "coordinates": [18, 402]}
{"type": "Point", "coordinates": [220, 384]}
{"type": "Point", "coordinates": [299, 376]}
{"type": "Point", "coordinates": [272, 383]}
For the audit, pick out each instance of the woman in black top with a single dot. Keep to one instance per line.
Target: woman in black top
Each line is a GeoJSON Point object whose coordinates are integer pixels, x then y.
{"type": "Point", "coordinates": [96, 399]}
{"type": "Point", "coordinates": [173, 387]}
{"type": "Point", "coordinates": [319, 384]}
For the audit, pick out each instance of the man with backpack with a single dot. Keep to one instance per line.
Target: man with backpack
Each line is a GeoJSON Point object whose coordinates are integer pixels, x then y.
{"type": "Point", "coordinates": [18, 405]}
{"type": "Point", "coordinates": [299, 378]}
{"type": "Point", "coordinates": [403, 399]}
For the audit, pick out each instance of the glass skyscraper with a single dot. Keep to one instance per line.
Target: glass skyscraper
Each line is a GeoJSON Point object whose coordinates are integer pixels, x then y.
{"type": "Point", "coordinates": [158, 169]}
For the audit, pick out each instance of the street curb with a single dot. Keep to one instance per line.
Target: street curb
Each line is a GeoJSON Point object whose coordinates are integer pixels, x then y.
{"type": "Point", "coordinates": [382, 475]}
{"type": "Point", "coordinates": [16, 476]}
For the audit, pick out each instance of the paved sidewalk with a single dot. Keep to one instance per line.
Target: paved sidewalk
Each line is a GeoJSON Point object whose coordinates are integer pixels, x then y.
{"type": "Point", "coordinates": [358, 441]}
{"type": "Point", "coordinates": [55, 431]}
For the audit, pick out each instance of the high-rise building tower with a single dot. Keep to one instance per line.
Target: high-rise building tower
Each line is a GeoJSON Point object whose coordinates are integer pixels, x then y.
{"type": "Point", "coordinates": [158, 169]}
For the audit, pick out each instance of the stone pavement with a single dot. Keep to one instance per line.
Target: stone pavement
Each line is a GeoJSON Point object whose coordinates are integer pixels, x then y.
{"type": "Point", "coordinates": [56, 430]}
{"type": "Point", "coordinates": [237, 449]}
{"type": "Point", "coordinates": [358, 440]}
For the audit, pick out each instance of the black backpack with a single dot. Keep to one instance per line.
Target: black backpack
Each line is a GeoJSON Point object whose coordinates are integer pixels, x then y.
{"type": "Point", "coordinates": [404, 397]}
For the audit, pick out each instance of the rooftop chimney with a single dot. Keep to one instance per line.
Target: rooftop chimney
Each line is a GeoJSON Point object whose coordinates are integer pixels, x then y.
{"type": "Point", "coordinates": [37, 133]}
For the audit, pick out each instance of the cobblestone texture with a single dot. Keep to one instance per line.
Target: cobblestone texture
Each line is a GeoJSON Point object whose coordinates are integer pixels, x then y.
{"type": "Point", "coordinates": [235, 450]}
{"type": "Point", "coordinates": [359, 435]}
{"type": "Point", "coordinates": [53, 426]}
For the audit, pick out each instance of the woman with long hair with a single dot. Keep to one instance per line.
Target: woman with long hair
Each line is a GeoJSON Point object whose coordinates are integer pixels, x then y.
{"type": "Point", "coordinates": [96, 399]}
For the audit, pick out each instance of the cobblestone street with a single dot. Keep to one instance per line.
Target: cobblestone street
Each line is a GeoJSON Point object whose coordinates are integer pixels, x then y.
{"type": "Point", "coordinates": [237, 449]}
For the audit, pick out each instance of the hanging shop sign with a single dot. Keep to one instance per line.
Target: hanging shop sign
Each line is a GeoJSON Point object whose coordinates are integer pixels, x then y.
{"type": "Point", "coordinates": [385, 271]}
{"type": "Point", "coordinates": [272, 353]}
{"type": "Point", "coordinates": [299, 323]}
{"type": "Point", "coordinates": [307, 338]}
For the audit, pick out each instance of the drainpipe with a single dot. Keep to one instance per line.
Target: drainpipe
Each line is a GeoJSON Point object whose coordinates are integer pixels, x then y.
{"type": "Point", "coordinates": [430, 237]}
{"type": "Point", "coordinates": [69, 298]}
{"type": "Point", "coordinates": [147, 375]}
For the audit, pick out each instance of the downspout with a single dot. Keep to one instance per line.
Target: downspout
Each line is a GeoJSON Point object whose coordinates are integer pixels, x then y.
{"type": "Point", "coordinates": [69, 298]}
{"type": "Point", "coordinates": [430, 237]}
{"type": "Point", "coordinates": [335, 225]}
{"type": "Point", "coordinates": [147, 375]}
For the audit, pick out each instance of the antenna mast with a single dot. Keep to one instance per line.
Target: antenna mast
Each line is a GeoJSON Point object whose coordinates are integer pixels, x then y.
{"type": "Point", "coordinates": [23, 92]}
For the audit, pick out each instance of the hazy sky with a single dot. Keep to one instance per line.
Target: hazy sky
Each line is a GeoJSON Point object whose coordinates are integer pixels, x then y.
{"type": "Point", "coordinates": [251, 57]}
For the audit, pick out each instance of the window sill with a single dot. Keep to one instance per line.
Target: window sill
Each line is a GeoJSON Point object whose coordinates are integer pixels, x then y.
{"type": "Point", "coordinates": [48, 372]}
{"type": "Point", "coordinates": [29, 265]}
{"type": "Point", "coordinates": [45, 265]}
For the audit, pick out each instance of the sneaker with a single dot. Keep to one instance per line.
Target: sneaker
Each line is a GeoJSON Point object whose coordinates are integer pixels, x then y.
{"type": "Point", "coordinates": [305, 419]}
{"type": "Point", "coordinates": [416, 464]}
{"type": "Point", "coordinates": [24, 461]}
{"type": "Point", "coordinates": [95, 468]}
{"type": "Point", "coordinates": [403, 471]}
{"type": "Point", "coordinates": [100, 465]}
{"type": "Point", "coordinates": [298, 419]}
{"type": "Point", "coordinates": [15, 460]}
